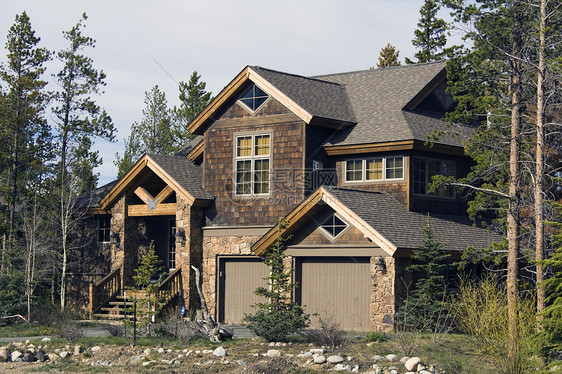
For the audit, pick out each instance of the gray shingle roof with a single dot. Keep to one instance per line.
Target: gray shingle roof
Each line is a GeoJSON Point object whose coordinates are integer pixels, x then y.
{"type": "Point", "coordinates": [403, 228]}
{"type": "Point", "coordinates": [92, 199]}
{"type": "Point", "coordinates": [185, 173]}
{"type": "Point", "coordinates": [189, 146]}
{"type": "Point", "coordinates": [319, 98]}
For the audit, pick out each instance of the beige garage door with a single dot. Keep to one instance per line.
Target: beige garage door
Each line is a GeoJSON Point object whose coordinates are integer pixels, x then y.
{"type": "Point", "coordinates": [238, 278]}
{"type": "Point", "coordinates": [336, 287]}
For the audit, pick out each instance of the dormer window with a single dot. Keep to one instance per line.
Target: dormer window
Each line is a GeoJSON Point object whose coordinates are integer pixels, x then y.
{"type": "Point", "coordinates": [253, 98]}
{"type": "Point", "coordinates": [334, 226]}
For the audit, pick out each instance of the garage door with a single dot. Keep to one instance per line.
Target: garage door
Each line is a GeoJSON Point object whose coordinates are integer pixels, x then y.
{"type": "Point", "coordinates": [238, 278]}
{"type": "Point", "coordinates": [337, 288]}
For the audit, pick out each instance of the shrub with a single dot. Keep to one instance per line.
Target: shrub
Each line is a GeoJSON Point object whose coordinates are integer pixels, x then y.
{"type": "Point", "coordinates": [329, 334]}
{"type": "Point", "coordinates": [115, 330]}
{"type": "Point", "coordinates": [375, 337]}
{"type": "Point", "coordinates": [12, 297]}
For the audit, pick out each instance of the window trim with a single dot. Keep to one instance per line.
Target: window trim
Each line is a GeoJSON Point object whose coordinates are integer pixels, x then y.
{"type": "Point", "coordinates": [108, 229]}
{"type": "Point", "coordinates": [252, 158]}
{"type": "Point", "coordinates": [328, 234]}
{"type": "Point", "coordinates": [246, 107]}
{"type": "Point", "coordinates": [427, 180]}
{"type": "Point", "coordinates": [364, 169]}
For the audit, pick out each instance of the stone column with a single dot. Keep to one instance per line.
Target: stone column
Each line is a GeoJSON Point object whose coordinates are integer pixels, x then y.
{"type": "Point", "coordinates": [383, 300]}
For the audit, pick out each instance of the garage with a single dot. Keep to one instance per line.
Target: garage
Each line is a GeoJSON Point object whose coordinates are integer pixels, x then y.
{"type": "Point", "coordinates": [238, 278]}
{"type": "Point", "coordinates": [335, 287]}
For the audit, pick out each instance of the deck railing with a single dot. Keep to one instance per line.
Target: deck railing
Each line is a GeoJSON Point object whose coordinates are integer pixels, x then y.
{"type": "Point", "coordinates": [105, 290]}
{"type": "Point", "coordinates": [169, 288]}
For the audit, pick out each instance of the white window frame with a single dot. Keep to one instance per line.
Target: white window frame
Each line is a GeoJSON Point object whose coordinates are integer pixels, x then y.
{"type": "Point", "coordinates": [172, 247]}
{"type": "Point", "coordinates": [252, 158]}
{"type": "Point", "coordinates": [329, 234]}
{"type": "Point", "coordinates": [246, 107]}
{"type": "Point", "coordinates": [384, 168]}
{"type": "Point", "coordinates": [428, 179]}
{"type": "Point", "coordinates": [108, 229]}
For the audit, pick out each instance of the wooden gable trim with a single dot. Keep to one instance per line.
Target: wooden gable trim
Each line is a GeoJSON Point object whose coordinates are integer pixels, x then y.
{"type": "Point", "coordinates": [279, 96]}
{"type": "Point", "coordinates": [138, 210]}
{"type": "Point", "coordinates": [338, 150]}
{"type": "Point", "coordinates": [134, 172]}
{"type": "Point", "coordinates": [429, 88]}
{"type": "Point", "coordinates": [269, 238]}
{"type": "Point", "coordinates": [323, 195]}
{"type": "Point", "coordinates": [196, 152]}
{"type": "Point", "coordinates": [196, 125]}
{"type": "Point", "coordinates": [352, 149]}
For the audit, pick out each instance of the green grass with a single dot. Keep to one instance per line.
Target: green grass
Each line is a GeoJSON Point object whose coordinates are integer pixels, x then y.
{"type": "Point", "coordinates": [24, 330]}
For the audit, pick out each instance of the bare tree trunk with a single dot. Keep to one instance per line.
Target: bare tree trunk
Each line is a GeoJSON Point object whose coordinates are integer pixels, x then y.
{"type": "Point", "coordinates": [513, 209]}
{"type": "Point", "coordinates": [539, 215]}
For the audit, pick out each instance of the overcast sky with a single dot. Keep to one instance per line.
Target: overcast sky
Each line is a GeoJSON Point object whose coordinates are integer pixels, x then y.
{"type": "Point", "coordinates": [140, 43]}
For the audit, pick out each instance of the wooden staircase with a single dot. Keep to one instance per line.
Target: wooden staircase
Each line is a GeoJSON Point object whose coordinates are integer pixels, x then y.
{"type": "Point", "coordinates": [108, 300]}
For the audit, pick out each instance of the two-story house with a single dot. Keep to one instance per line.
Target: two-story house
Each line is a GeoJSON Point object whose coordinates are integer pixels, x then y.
{"type": "Point", "coordinates": [341, 157]}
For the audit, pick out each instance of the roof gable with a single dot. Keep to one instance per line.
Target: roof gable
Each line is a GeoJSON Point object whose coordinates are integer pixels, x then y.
{"type": "Point", "coordinates": [383, 220]}
{"type": "Point", "coordinates": [180, 174]}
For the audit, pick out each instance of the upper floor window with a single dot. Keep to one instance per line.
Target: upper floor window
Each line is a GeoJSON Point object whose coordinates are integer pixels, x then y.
{"type": "Point", "coordinates": [334, 226]}
{"type": "Point", "coordinates": [252, 163]}
{"type": "Point", "coordinates": [104, 229]}
{"type": "Point", "coordinates": [425, 169]}
{"type": "Point", "coordinates": [253, 98]}
{"type": "Point", "coordinates": [374, 169]}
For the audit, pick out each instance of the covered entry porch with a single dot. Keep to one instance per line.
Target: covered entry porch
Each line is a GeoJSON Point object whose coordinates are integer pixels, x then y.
{"type": "Point", "coordinates": [149, 207]}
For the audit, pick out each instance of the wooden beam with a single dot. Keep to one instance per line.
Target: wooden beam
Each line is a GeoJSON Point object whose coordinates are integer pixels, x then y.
{"type": "Point", "coordinates": [144, 195]}
{"type": "Point", "coordinates": [118, 189]}
{"type": "Point", "coordinates": [143, 210]}
{"type": "Point", "coordinates": [170, 181]}
{"type": "Point", "coordinates": [163, 195]}
{"type": "Point", "coordinates": [339, 150]}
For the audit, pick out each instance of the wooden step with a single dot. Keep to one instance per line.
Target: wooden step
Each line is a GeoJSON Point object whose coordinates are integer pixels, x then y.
{"type": "Point", "coordinates": [112, 316]}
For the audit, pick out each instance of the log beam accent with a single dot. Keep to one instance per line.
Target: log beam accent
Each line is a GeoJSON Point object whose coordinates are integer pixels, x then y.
{"type": "Point", "coordinates": [144, 210]}
{"type": "Point", "coordinates": [163, 195]}
{"type": "Point", "coordinates": [144, 195]}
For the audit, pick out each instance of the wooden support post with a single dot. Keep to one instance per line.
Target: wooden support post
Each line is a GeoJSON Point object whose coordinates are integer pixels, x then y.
{"type": "Point", "coordinates": [92, 306]}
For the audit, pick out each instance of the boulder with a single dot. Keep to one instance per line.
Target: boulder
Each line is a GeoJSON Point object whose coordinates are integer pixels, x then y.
{"type": "Point", "coordinates": [319, 359]}
{"type": "Point", "coordinates": [4, 355]}
{"type": "Point", "coordinates": [64, 354]}
{"type": "Point", "coordinates": [219, 352]}
{"type": "Point", "coordinates": [273, 353]}
{"type": "Point", "coordinates": [15, 355]}
{"type": "Point", "coordinates": [342, 367]}
{"type": "Point", "coordinates": [391, 357]}
{"type": "Point", "coordinates": [96, 349]}
{"type": "Point", "coordinates": [28, 357]}
{"type": "Point", "coordinates": [412, 363]}
{"type": "Point", "coordinates": [41, 356]}
{"type": "Point", "coordinates": [318, 351]}
{"type": "Point", "coordinates": [53, 357]}
{"type": "Point", "coordinates": [334, 359]}
{"type": "Point", "coordinates": [46, 339]}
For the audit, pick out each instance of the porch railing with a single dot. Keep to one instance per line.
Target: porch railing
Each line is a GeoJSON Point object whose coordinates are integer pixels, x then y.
{"type": "Point", "coordinates": [169, 288]}
{"type": "Point", "coordinates": [105, 290]}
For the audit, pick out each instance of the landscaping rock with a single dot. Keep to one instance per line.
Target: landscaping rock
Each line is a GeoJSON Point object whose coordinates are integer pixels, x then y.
{"type": "Point", "coordinates": [317, 351]}
{"type": "Point", "coordinates": [53, 357]}
{"type": "Point", "coordinates": [64, 354]}
{"type": "Point", "coordinates": [412, 363]}
{"type": "Point", "coordinates": [4, 355]}
{"type": "Point", "coordinates": [241, 362]}
{"type": "Point", "coordinates": [46, 339]}
{"type": "Point", "coordinates": [424, 372]}
{"type": "Point", "coordinates": [391, 357]}
{"type": "Point", "coordinates": [377, 358]}
{"type": "Point", "coordinates": [41, 356]}
{"type": "Point", "coordinates": [96, 349]}
{"type": "Point", "coordinates": [78, 349]}
{"type": "Point", "coordinates": [160, 350]}
{"type": "Point", "coordinates": [342, 367]}
{"type": "Point", "coordinates": [305, 354]}
{"type": "Point", "coordinates": [319, 359]}
{"type": "Point", "coordinates": [152, 362]}
{"type": "Point", "coordinates": [136, 360]}
{"type": "Point", "coordinates": [219, 352]}
{"type": "Point", "coordinates": [404, 359]}
{"type": "Point", "coordinates": [273, 353]}
{"type": "Point", "coordinates": [28, 357]}
{"type": "Point", "coordinates": [334, 359]}
{"type": "Point", "coordinates": [15, 355]}
{"type": "Point", "coordinates": [207, 351]}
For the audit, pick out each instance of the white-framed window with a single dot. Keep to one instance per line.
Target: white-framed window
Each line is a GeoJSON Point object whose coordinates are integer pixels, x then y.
{"type": "Point", "coordinates": [252, 156]}
{"type": "Point", "coordinates": [374, 169]}
{"type": "Point", "coordinates": [104, 229]}
{"type": "Point", "coordinates": [253, 98]}
{"type": "Point", "coordinates": [334, 226]}
{"type": "Point", "coordinates": [425, 169]}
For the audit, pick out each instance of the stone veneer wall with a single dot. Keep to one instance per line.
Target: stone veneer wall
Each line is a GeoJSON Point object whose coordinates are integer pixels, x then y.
{"type": "Point", "coordinates": [189, 219]}
{"type": "Point", "coordinates": [383, 299]}
{"type": "Point", "coordinates": [220, 245]}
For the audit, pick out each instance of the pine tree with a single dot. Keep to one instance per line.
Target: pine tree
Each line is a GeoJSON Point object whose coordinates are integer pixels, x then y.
{"type": "Point", "coordinates": [23, 101]}
{"type": "Point", "coordinates": [388, 57]}
{"type": "Point", "coordinates": [78, 120]}
{"type": "Point", "coordinates": [279, 316]}
{"type": "Point", "coordinates": [431, 34]}
{"type": "Point", "coordinates": [193, 99]}
{"type": "Point", "coordinates": [154, 134]}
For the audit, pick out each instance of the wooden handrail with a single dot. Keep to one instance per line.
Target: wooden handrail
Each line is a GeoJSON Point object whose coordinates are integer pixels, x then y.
{"type": "Point", "coordinates": [169, 287]}
{"type": "Point", "coordinates": [104, 290]}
